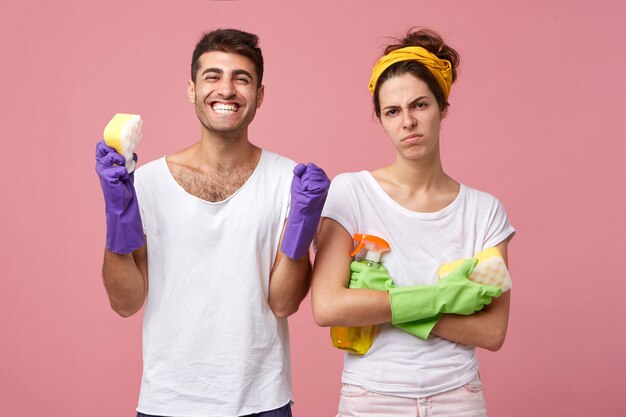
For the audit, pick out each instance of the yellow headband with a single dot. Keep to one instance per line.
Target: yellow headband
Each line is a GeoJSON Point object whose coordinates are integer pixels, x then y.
{"type": "Point", "coordinates": [440, 68]}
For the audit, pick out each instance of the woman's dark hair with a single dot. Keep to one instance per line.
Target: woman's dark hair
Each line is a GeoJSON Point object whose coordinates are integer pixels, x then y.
{"type": "Point", "coordinates": [232, 41]}
{"type": "Point", "coordinates": [430, 41]}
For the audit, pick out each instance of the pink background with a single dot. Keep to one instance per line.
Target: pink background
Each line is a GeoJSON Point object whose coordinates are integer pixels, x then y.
{"type": "Point", "coordinates": [536, 119]}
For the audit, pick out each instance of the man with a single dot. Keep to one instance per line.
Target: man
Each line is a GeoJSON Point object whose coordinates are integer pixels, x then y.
{"type": "Point", "coordinates": [217, 288]}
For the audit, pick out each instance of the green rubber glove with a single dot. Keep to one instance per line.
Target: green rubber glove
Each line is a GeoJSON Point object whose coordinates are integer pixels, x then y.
{"type": "Point", "coordinates": [420, 328]}
{"type": "Point", "coordinates": [375, 277]}
{"type": "Point", "coordinates": [378, 278]}
{"type": "Point", "coordinates": [454, 294]}
{"type": "Point", "coordinates": [416, 309]}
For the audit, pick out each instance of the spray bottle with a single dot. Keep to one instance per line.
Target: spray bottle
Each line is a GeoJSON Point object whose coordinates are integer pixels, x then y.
{"type": "Point", "coordinates": [358, 340]}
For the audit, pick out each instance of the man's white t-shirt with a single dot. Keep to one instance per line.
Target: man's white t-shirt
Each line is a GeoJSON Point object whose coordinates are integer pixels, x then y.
{"type": "Point", "coordinates": [211, 344]}
{"type": "Point", "coordinates": [398, 363]}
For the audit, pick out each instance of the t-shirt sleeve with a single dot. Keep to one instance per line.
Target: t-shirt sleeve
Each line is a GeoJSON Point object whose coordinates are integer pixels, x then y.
{"type": "Point", "coordinates": [286, 176]}
{"type": "Point", "coordinates": [341, 205]}
{"type": "Point", "coordinates": [498, 227]}
{"type": "Point", "coordinates": [140, 190]}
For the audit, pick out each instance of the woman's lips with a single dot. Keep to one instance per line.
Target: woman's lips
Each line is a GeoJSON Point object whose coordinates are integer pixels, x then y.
{"type": "Point", "coordinates": [412, 138]}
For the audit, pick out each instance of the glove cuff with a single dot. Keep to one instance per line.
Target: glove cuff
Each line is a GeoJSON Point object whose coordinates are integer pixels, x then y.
{"type": "Point", "coordinates": [124, 231]}
{"type": "Point", "coordinates": [420, 328]}
{"type": "Point", "coordinates": [298, 236]}
{"type": "Point", "coordinates": [412, 303]}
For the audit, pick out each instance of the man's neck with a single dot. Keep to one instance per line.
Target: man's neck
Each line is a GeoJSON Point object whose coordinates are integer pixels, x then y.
{"type": "Point", "coordinates": [224, 150]}
{"type": "Point", "coordinates": [214, 168]}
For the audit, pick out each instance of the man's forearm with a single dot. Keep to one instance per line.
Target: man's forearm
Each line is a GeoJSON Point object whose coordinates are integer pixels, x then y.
{"type": "Point", "coordinates": [289, 283]}
{"type": "Point", "coordinates": [125, 279]}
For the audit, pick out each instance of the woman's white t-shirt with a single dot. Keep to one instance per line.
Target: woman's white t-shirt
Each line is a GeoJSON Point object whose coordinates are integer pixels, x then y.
{"type": "Point", "coordinates": [399, 363]}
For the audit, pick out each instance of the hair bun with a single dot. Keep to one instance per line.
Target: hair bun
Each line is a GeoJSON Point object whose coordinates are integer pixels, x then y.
{"type": "Point", "coordinates": [431, 41]}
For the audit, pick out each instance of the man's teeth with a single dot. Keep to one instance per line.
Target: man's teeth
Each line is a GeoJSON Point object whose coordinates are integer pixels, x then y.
{"type": "Point", "coordinates": [224, 108]}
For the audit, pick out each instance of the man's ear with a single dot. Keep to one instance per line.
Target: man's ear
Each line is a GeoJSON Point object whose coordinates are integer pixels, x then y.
{"type": "Point", "coordinates": [444, 113]}
{"type": "Point", "coordinates": [191, 91]}
{"type": "Point", "coordinates": [260, 93]}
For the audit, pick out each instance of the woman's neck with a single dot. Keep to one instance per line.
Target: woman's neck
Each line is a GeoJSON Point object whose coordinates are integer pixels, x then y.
{"type": "Point", "coordinates": [418, 175]}
{"type": "Point", "coordinates": [417, 185]}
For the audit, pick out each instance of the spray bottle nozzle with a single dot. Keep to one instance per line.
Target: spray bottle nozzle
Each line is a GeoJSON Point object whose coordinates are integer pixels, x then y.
{"type": "Point", "coordinates": [374, 245]}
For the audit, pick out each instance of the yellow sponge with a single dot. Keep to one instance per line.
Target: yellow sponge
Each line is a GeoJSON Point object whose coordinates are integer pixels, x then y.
{"type": "Point", "coordinates": [123, 133]}
{"type": "Point", "coordinates": [490, 269]}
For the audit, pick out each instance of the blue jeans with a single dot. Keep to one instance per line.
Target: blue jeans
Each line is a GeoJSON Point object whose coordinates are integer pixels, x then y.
{"type": "Point", "coordinates": [284, 411]}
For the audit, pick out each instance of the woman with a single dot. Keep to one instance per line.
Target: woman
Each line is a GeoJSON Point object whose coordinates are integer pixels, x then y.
{"type": "Point", "coordinates": [429, 219]}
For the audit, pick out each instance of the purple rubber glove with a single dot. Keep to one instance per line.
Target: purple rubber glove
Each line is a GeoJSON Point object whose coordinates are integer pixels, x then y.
{"type": "Point", "coordinates": [309, 188]}
{"type": "Point", "coordinates": [124, 228]}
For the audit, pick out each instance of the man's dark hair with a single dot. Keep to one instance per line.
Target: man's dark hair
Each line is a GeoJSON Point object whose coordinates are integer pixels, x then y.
{"type": "Point", "coordinates": [232, 41]}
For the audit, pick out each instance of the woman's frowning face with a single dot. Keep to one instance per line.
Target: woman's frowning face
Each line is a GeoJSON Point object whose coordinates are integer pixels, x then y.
{"type": "Point", "coordinates": [410, 116]}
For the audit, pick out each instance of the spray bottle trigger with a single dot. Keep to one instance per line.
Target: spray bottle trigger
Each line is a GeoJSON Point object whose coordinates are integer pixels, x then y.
{"type": "Point", "coordinates": [357, 249]}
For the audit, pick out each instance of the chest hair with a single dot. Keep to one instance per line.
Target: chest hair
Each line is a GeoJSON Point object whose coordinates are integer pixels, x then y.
{"type": "Point", "coordinates": [213, 186]}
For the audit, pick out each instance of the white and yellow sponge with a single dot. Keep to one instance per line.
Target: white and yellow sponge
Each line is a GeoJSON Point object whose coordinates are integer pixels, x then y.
{"type": "Point", "coordinates": [123, 133]}
{"type": "Point", "coordinates": [490, 269]}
